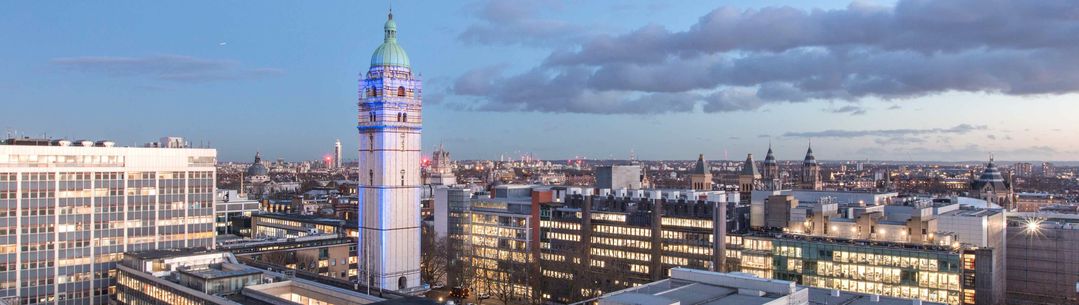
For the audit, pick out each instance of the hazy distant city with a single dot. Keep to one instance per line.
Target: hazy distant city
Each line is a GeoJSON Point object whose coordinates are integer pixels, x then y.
{"type": "Point", "coordinates": [540, 153]}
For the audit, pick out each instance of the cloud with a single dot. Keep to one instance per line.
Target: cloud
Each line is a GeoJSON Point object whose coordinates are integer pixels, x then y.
{"type": "Point", "coordinates": [900, 140]}
{"type": "Point", "coordinates": [738, 60]}
{"type": "Point", "coordinates": [968, 152]}
{"type": "Point", "coordinates": [839, 133]}
{"type": "Point", "coordinates": [175, 68]}
{"type": "Point", "coordinates": [513, 22]}
{"type": "Point", "coordinates": [851, 109]}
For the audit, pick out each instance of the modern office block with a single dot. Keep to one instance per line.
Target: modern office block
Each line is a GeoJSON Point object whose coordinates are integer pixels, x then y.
{"type": "Point", "coordinates": [68, 211]}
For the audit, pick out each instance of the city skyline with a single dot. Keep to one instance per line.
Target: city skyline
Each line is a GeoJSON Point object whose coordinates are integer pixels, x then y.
{"type": "Point", "coordinates": [548, 79]}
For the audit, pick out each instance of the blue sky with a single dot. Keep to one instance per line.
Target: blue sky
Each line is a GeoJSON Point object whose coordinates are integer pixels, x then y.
{"type": "Point", "coordinates": [940, 80]}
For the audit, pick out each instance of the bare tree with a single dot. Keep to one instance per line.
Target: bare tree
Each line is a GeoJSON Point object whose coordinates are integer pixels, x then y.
{"type": "Point", "coordinates": [434, 257]}
{"type": "Point", "coordinates": [307, 262]}
{"type": "Point", "coordinates": [503, 287]}
{"type": "Point", "coordinates": [279, 258]}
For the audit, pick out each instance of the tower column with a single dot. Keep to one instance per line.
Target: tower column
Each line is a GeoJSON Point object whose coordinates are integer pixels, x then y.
{"type": "Point", "coordinates": [389, 125]}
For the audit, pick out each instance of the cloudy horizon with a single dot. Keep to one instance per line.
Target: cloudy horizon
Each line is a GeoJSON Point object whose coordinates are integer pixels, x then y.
{"type": "Point", "coordinates": [881, 80]}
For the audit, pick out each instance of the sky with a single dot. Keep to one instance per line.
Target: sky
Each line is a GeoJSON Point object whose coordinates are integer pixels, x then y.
{"type": "Point", "coordinates": [899, 80]}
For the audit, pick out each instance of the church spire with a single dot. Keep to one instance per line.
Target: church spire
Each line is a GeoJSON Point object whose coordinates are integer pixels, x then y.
{"type": "Point", "coordinates": [810, 159]}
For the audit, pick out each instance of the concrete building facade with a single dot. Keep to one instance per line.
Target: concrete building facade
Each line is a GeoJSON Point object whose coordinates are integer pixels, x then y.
{"type": "Point", "coordinates": [68, 211]}
{"type": "Point", "coordinates": [616, 177]}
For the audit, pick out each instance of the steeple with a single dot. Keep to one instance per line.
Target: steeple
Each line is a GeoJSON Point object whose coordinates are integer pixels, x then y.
{"type": "Point", "coordinates": [811, 178]}
{"type": "Point", "coordinates": [810, 159]}
{"type": "Point", "coordinates": [749, 168]}
{"type": "Point", "coordinates": [700, 167]}
{"type": "Point", "coordinates": [770, 174]}
{"type": "Point", "coordinates": [700, 178]}
{"type": "Point", "coordinates": [769, 158]}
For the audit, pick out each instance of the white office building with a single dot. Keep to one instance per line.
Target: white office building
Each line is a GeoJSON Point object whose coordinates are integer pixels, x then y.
{"type": "Point", "coordinates": [68, 212]}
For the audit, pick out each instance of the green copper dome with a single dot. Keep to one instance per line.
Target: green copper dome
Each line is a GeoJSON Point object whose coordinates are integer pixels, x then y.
{"type": "Point", "coordinates": [390, 53]}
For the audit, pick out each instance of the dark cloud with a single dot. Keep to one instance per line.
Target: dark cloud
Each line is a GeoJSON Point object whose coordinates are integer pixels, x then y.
{"type": "Point", "coordinates": [838, 133]}
{"type": "Point", "coordinates": [175, 68]}
{"type": "Point", "coordinates": [564, 91]}
{"type": "Point", "coordinates": [737, 60]}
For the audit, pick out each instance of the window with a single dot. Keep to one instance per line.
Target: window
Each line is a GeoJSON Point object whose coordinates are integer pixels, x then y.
{"type": "Point", "coordinates": [401, 91]}
{"type": "Point", "coordinates": [402, 177]}
{"type": "Point", "coordinates": [371, 177]}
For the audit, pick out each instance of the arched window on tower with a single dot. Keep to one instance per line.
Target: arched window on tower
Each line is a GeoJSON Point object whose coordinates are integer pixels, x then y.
{"type": "Point", "coordinates": [402, 177]}
{"type": "Point", "coordinates": [401, 91]}
{"type": "Point", "coordinates": [374, 92]}
{"type": "Point", "coordinates": [370, 177]}
{"type": "Point", "coordinates": [398, 116]}
{"type": "Point", "coordinates": [404, 117]}
{"type": "Point", "coordinates": [371, 140]}
{"type": "Point", "coordinates": [372, 116]}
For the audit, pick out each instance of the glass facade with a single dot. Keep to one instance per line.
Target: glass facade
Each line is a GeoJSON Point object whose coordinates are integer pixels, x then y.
{"type": "Point", "coordinates": [907, 272]}
{"type": "Point", "coordinates": [68, 213]}
{"type": "Point", "coordinates": [617, 247]}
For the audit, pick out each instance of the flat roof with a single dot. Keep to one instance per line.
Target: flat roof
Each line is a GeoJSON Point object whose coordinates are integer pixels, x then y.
{"type": "Point", "coordinates": [167, 253]}
{"type": "Point", "coordinates": [213, 273]}
{"type": "Point", "coordinates": [699, 287]}
{"type": "Point", "coordinates": [822, 296]}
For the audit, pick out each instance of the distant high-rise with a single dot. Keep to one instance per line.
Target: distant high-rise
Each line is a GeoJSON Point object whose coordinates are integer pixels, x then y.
{"type": "Point", "coordinates": [68, 212]}
{"type": "Point", "coordinates": [337, 154]}
{"type": "Point", "coordinates": [1023, 169]}
{"type": "Point", "coordinates": [1048, 170]}
{"type": "Point", "coordinates": [389, 201]}
{"type": "Point", "coordinates": [700, 177]}
{"type": "Point", "coordinates": [811, 179]}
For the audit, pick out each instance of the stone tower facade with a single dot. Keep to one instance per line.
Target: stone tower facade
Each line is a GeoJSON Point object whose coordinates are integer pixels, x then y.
{"type": "Point", "coordinates": [749, 180]}
{"type": "Point", "coordinates": [770, 174]}
{"type": "Point", "coordinates": [389, 124]}
{"type": "Point", "coordinates": [811, 179]}
{"type": "Point", "coordinates": [700, 177]}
